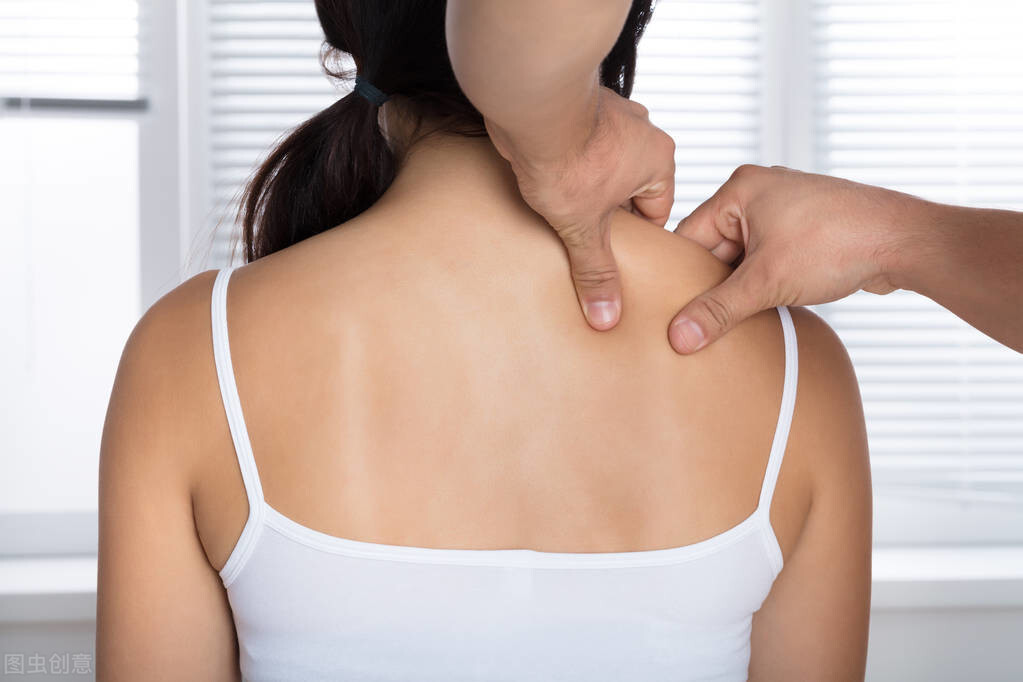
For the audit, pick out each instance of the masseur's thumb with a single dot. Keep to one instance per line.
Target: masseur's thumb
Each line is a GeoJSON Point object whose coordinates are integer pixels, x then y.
{"type": "Point", "coordinates": [595, 273]}
{"type": "Point", "coordinates": [710, 315]}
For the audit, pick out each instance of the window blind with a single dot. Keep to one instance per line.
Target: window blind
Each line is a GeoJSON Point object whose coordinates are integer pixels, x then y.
{"type": "Point", "coordinates": [264, 79]}
{"type": "Point", "coordinates": [69, 49]}
{"type": "Point", "coordinates": [927, 97]}
{"type": "Point", "coordinates": [699, 74]}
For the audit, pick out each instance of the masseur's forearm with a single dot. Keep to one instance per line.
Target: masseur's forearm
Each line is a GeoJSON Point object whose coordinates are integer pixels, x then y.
{"type": "Point", "coordinates": [531, 67]}
{"type": "Point", "coordinates": [970, 260]}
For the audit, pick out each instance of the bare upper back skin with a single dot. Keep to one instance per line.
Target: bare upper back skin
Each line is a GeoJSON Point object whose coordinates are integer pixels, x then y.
{"type": "Point", "coordinates": [437, 387]}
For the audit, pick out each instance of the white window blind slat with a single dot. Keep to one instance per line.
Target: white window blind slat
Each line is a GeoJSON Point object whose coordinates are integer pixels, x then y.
{"type": "Point", "coordinates": [264, 79]}
{"type": "Point", "coordinates": [927, 97]}
{"type": "Point", "coordinates": [52, 48]}
{"type": "Point", "coordinates": [699, 74]}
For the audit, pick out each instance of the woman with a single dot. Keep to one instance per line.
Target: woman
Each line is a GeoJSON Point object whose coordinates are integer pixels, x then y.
{"type": "Point", "coordinates": [363, 455]}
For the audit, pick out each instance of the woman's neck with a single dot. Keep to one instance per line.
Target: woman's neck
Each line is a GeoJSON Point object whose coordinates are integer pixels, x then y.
{"type": "Point", "coordinates": [456, 174]}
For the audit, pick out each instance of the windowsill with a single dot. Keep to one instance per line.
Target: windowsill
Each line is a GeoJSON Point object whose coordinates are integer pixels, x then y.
{"type": "Point", "coordinates": [47, 589]}
{"type": "Point", "coordinates": [947, 577]}
{"type": "Point", "coordinates": [63, 589]}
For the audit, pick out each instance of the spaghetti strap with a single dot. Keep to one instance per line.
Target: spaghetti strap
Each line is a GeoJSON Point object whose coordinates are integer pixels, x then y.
{"type": "Point", "coordinates": [788, 402]}
{"type": "Point", "coordinates": [236, 422]}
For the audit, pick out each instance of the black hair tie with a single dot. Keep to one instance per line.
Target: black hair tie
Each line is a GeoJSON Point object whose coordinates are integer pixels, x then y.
{"type": "Point", "coordinates": [375, 95]}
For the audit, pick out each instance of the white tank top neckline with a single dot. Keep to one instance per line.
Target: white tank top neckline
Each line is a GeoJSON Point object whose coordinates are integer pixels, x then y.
{"type": "Point", "coordinates": [312, 606]}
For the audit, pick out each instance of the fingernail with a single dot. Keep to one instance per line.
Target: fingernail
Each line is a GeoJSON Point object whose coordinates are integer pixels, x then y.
{"type": "Point", "coordinates": [601, 314]}
{"type": "Point", "coordinates": [690, 334]}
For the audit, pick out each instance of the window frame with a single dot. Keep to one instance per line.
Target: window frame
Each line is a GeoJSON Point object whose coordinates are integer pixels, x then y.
{"type": "Point", "coordinates": [163, 146]}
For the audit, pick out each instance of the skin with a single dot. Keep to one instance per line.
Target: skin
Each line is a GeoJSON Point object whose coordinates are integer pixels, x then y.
{"type": "Point", "coordinates": [808, 239]}
{"type": "Point", "coordinates": [578, 150]}
{"type": "Point", "coordinates": [419, 376]}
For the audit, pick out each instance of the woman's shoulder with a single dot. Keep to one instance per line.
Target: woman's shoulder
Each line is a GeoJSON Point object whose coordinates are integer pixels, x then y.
{"type": "Point", "coordinates": [663, 271]}
{"type": "Point", "coordinates": [666, 271]}
{"type": "Point", "coordinates": [166, 342]}
{"type": "Point", "coordinates": [168, 338]}
{"type": "Point", "coordinates": [166, 373]}
{"type": "Point", "coordinates": [827, 441]}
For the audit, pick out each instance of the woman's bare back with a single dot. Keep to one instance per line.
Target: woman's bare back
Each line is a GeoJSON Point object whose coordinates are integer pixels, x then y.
{"type": "Point", "coordinates": [436, 386]}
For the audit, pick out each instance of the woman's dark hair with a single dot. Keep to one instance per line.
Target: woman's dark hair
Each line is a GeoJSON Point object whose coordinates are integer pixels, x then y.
{"type": "Point", "coordinates": [337, 164]}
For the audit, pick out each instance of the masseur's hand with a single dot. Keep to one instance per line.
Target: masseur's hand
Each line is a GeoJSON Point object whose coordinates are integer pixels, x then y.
{"type": "Point", "coordinates": [802, 239]}
{"type": "Point", "coordinates": [625, 161]}
{"type": "Point", "coordinates": [578, 150]}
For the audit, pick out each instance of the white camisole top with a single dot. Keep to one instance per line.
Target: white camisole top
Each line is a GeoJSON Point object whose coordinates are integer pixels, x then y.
{"type": "Point", "coordinates": [308, 606]}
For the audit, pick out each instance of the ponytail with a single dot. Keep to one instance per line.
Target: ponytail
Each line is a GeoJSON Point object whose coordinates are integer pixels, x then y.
{"type": "Point", "coordinates": [328, 170]}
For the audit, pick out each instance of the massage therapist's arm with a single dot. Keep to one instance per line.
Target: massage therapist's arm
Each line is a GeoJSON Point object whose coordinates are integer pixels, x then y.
{"type": "Point", "coordinates": [810, 239]}
{"type": "Point", "coordinates": [578, 150]}
{"type": "Point", "coordinates": [530, 66]}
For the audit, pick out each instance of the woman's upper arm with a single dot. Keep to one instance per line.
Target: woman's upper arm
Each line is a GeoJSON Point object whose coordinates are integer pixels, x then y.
{"type": "Point", "coordinates": [814, 623]}
{"type": "Point", "coordinates": [162, 612]}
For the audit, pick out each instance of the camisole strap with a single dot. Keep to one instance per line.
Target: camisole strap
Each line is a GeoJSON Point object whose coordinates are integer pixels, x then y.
{"type": "Point", "coordinates": [788, 403]}
{"type": "Point", "coordinates": [236, 422]}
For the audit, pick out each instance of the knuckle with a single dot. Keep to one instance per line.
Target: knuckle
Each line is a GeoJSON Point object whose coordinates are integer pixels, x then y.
{"type": "Point", "coordinates": [639, 109]}
{"type": "Point", "coordinates": [745, 171]}
{"type": "Point", "coordinates": [577, 236]}
{"type": "Point", "coordinates": [717, 311]}
{"type": "Point", "coordinates": [594, 278]}
{"type": "Point", "coordinates": [668, 142]}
